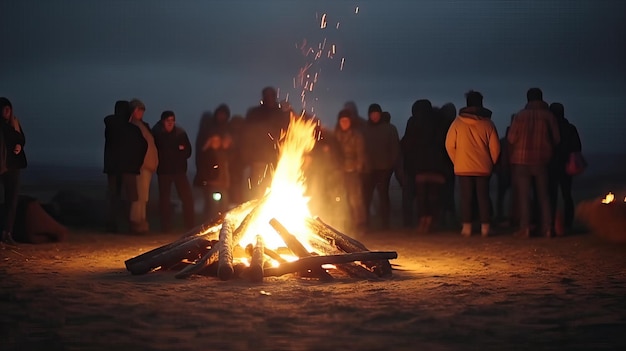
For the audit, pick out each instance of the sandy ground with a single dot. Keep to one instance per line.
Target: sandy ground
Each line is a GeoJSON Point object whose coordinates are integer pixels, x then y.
{"type": "Point", "coordinates": [448, 293]}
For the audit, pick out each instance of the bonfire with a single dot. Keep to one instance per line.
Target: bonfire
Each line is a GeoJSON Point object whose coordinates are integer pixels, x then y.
{"type": "Point", "coordinates": [270, 236]}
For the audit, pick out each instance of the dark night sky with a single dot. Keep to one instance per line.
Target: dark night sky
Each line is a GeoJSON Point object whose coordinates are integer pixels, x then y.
{"type": "Point", "coordinates": [64, 63]}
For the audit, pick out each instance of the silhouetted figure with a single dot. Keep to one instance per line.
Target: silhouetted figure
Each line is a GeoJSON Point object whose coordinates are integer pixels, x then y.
{"type": "Point", "coordinates": [473, 146]}
{"type": "Point", "coordinates": [213, 176]}
{"type": "Point", "coordinates": [504, 179]}
{"type": "Point", "coordinates": [382, 148]}
{"type": "Point", "coordinates": [174, 149]}
{"type": "Point", "coordinates": [533, 136]}
{"type": "Point", "coordinates": [12, 161]}
{"type": "Point", "coordinates": [423, 146]}
{"type": "Point", "coordinates": [150, 162]}
{"type": "Point", "coordinates": [261, 135]}
{"type": "Point", "coordinates": [448, 206]}
{"type": "Point", "coordinates": [358, 122]}
{"type": "Point", "coordinates": [116, 126]}
{"type": "Point", "coordinates": [352, 166]}
{"type": "Point", "coordinates": [570, 142]}
{"type": "Point", "coordinates": [235, 162]}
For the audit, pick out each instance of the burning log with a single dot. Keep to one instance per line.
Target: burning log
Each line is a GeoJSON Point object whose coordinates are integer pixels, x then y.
{"type": "Point", "coordinates": [311, 262]}
{"type": "Point", "coordinates": [190, 249]}
{"type": "Point", "coordinates": [225, 268]}
{"type": "Point", "coordinates": [347, 244]}
{"type": "Point", "coordinates": [273, 255]}
{"type": "Point", "coordinates": [255, 271]}
{"type": "Point", "coordinates": [213, 254]}
{"type": "Point", "coordinates": [290, 240]}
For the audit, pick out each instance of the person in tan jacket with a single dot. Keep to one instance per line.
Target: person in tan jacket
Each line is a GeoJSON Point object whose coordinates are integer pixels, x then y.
{"type": "Point", "coordinates": [138, 218]}
{"type": "Point", "coordinates": [473, 146]}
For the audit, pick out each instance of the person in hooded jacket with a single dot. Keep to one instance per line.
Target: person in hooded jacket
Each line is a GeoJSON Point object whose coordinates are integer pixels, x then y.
{"type": "Point", "coordinates": [473, 145]}
{"type": "Point", "coordinates": [12, 161]}
{"type": "Point", "coordinates": [423, 149]}
{"type": "Point", "coordinates": [174, 149]}
{"type": "Point", "coordinates": [114, 152]}
{"type": "Point", "coordinates": [213, 176]}
{"type": "Point", "coordinates": [352, 164]}
{"type": "Point", "coordinates": [382, 148]}
{"type": "Point", "coordinates": [558, 178]}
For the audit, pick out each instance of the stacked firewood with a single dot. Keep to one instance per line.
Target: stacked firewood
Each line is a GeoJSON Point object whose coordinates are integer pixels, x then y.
{"type": "Point", "coordinates": [212, 250]}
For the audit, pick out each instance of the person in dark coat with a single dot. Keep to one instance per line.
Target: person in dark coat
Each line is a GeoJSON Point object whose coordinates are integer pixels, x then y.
{"type": "Point", "coordinates": [114, 150]}
{"type": "Point", "coordinates": [382, 149]}
{"type": "Point", "coordinates": [174, 149]}
{"type": "Point", "coordinates": [213, 176]}
{"type": "Point", "coordinates": [423, 146]}
{"type": "Point", "coordinates": [261, 135]}
{"type": "Point", "coordinates": [12, 161]}
{"type": "Point", "coordinates": [558, 178]}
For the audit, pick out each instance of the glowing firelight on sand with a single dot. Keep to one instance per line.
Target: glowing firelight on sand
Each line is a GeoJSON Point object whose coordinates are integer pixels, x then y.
{"type": "Point", "coordinates": [610, 197]}
{"type": "Point", "coordinates": [286, 200]}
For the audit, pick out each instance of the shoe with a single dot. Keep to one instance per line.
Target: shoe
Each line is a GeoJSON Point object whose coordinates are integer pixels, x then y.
{"type": "Point", "coordinates": [7, 238]}
{"type": "Point", "coordinates": [466, 231]}
{"type": "Point", "coordinates": [522, 233]}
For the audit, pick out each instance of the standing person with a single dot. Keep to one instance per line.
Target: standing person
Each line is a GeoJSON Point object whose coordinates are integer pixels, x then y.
{"type": "Point", "coordinates": [12, 161]}
{"type": "Point", "coordinates": [502, 169]}
{"type": "Point", "coordinates": [138, 219]}
{"type": "Point", "coordinates": [570, 142]}
{"type": "Point", "coordinates": [473, 146]}
{"type": "Point", "coordinates": [382, 148]}
{"type": "Point", "coordinates": [352, 164]}
{"type": "Point", "coordinates": [533, 135]}
{"type": "Point", "coordinates": [174, 149]}
{"type": "Point", "coordinates": [261, 134]}
{"type": "Point", "coordinates": [213, 176]}
{"type": "Point", "coordinates": [448, 204]}
{"type": "Point", "coordinates": [114, 150]}
{"type": "Point", "coordinates": [423, 146]}
{"type": "Point", "coordinates": [235, 163]}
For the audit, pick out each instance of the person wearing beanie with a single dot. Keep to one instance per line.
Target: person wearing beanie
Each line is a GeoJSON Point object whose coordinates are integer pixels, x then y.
{"type": "Point", "coordinates": [558, 178]}
{"type": "Point", "coordinates": [174, 149]}
{"type": "Point", "coordinates": [473, 145]}
{"type": "Point", "coordinates": [533, 135]}
{"type": "Point", "coordinates": [353, 158]}
{"type": "Point", "coordinates": [382, 148]}
{"type": "Point", "coordinates": [149, 164]}
{"type": "Point", "coordinates": [12, 160]}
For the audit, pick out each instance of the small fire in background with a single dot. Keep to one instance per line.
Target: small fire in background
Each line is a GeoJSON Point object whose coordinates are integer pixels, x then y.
{"type": "Point", "coordinates": [609, 198]}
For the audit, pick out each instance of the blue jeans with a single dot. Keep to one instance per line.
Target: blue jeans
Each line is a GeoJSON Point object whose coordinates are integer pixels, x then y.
{"type": "Point", "coordinates": [524, 175]}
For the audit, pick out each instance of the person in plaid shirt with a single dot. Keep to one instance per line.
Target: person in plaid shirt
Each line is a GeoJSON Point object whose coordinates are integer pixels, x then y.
{"type": "Point", "coordinates": [533, 135]}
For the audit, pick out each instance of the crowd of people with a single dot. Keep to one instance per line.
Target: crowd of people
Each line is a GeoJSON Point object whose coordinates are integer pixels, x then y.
{"type": "Point", "coordinates": [348, 173]}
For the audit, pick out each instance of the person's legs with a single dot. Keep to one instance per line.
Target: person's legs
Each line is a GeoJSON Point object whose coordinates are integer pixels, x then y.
{"type": "Point", "coordinates": [408, 199]}
{"type": "Point", "coordinates": [183, 188]}
{"type": "Point", "coordinates": [165, 203]}
{"type": "Point", "coordinates": [484, 204]}
{"type": "Point", "coordinates": [368, 185]}
{"type": "Point", "coordinates": [522, 180]}
{"type": "Point", "coordinates": [354, 193]}
{"type": "Point", "coordinates": [138, 217]}
{"type": "Point", "coordinates": [11, 183]}
{"type": "Point", "coordinates": [540, 173]}
{"type": "Point", "coordinates": [383, 178]}
{"type": "Point", "coordinates": [568, 201]}
{"type": "Point", "coordinates": [114, 201]}
{"type": "Point", "coordinates": [466, 185]}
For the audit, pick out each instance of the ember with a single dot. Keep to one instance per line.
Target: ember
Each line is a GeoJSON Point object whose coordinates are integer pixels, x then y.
{"type": "Point", "coordinates": [271, 236]}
